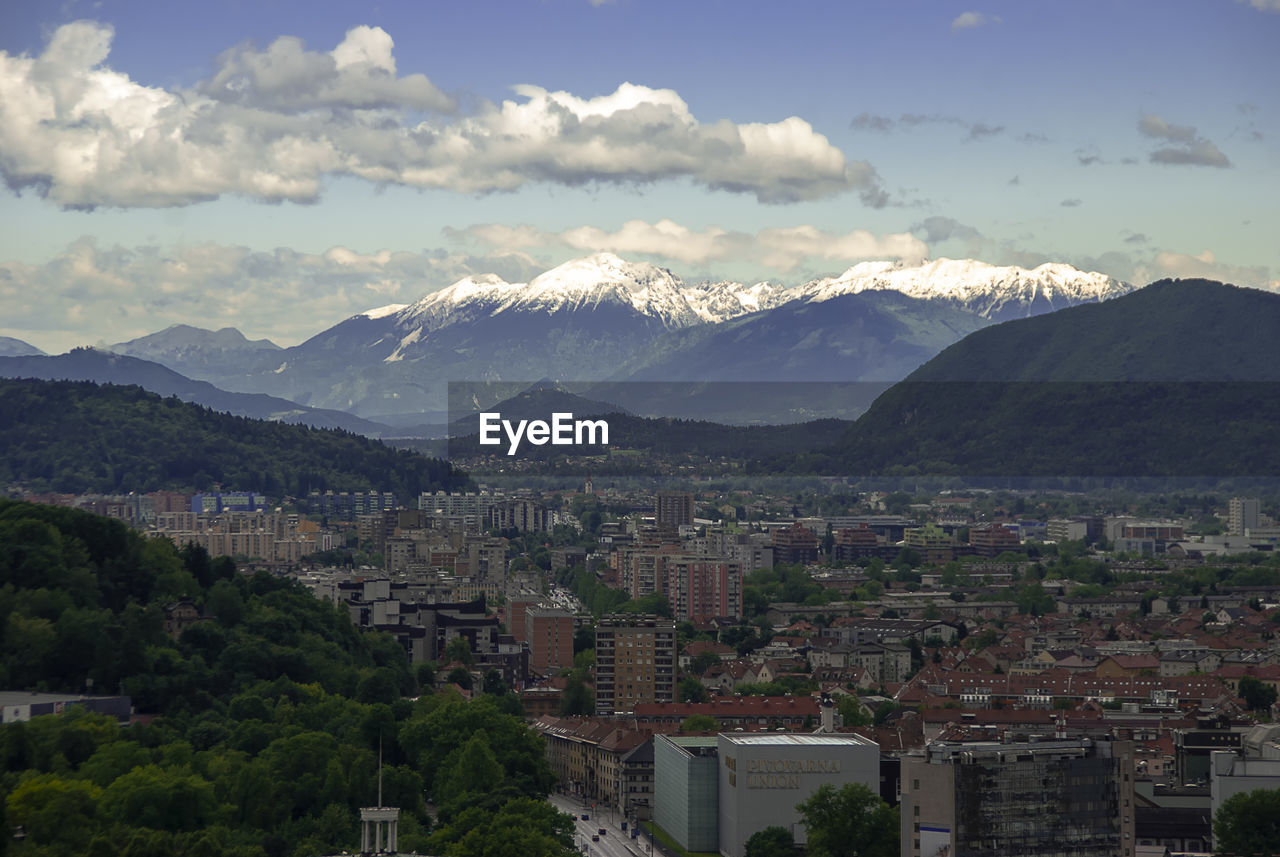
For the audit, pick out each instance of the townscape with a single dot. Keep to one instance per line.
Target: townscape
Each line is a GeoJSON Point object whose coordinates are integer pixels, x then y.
{"type": "Point", "coordinates": [902, 642]}
{"type": "Point", "coordinates": [619, 428]}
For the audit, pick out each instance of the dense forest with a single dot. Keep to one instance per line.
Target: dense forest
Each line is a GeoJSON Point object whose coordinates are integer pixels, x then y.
{"type": "Point", "coordinates": [264, 723]}
{"type": "Point", "coordinates": [78, 437]}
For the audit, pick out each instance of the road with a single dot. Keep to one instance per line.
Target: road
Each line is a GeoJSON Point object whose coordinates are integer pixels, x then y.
{"type": "Point", "coordinates": [616, 842]}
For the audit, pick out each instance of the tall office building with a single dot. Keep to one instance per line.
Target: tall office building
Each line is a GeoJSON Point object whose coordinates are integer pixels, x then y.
{"type": "Point", "coordinates": [635, 662]}
{"type": "Point", "coordinates": [1056, 798]}
{"type": "Point", "coordinates": [1242, 514]}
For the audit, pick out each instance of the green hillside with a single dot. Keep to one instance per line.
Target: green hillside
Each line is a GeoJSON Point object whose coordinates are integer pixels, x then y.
{"type": "Point", "coordinates": [264, 724]}
{"type": "Point", "coordinates": [1179, 379]}
{"type": "Point", "coordinates": [1172, 330]}
{"type": "Point", "coordinates": [77, 436]}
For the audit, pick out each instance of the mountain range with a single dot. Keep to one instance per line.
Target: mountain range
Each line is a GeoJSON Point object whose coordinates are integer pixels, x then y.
{"type": "Point", "coordinates": [604, 319]}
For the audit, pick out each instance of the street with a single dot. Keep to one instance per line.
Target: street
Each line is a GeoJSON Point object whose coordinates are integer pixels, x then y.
{"type": "Point", "coordinates": [616, 842]}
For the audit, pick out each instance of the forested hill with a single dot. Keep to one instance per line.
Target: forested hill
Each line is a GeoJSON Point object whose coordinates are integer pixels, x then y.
{"type": "Point", "coordinates": [1178, 379]}
{"type": "Point", "coordinates": [269, 717]}
{"type": "Point", "coordinates": [74, 436]}
{"type": "Point", "coordinates": [1171, 330]}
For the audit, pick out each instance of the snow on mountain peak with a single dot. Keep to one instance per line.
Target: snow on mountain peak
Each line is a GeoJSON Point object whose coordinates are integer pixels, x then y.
{"type": "Point", "coordinates": [383, 311]}
{"type": "Point", "coordinates": [988, 290]}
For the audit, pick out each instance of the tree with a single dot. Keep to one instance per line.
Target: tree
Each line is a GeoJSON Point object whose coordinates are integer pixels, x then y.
{"type": "Point", "coordinates": [577, 699]}
{"type": "Point", "coordinates": [773, 841]}
{"type": "Point", "coordinates": [459, 649]}
{"type": "Point", "coordinates": [1256, 694]}
{"type": "Point", "coordinates": [852, 711]}
{"type": "Point", "coordinates": [692, 690]}
{"type": "Point", "coordinates": [1248, 824]}
{"type": "Point", "coordinates": [699, 723]}
{"type": "Point", "coordinates": [851, 821]}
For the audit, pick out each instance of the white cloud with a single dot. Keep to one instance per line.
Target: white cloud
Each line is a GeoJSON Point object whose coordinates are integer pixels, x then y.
{"type": "Point", "coordinates": [1205, 265]}
{"type": "Point", "coordinates": [1190, 149]}
{"type": "Point", "coordinates": [782, 249]}
{"type": "Point", "coordinates": [1264, 5]}
{"type": "Point", "coordinates": [92, 293]}
{"type": "Point", "coordinates": [273, 124]}
{"type": "Point", "coordinates": [972, 20]}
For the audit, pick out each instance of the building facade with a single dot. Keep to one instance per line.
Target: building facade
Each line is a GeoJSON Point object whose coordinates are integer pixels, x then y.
{"type": "Point", "coordinates": [1054, 798]}
{"type": "Point", "coordinates": [635, 662]}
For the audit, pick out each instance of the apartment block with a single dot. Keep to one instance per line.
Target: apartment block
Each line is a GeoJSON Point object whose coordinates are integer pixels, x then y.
{"type": "Point", "coordinates": [635, 662]}
{"type": "Point", "coordinates": [549, 633]}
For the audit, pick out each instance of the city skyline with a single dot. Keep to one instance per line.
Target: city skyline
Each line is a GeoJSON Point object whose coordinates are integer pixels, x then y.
{"type": "Point", "coordinates": [280, 168]}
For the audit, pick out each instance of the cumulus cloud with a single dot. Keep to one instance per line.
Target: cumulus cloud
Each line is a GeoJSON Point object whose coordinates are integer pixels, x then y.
{"type": "Point", "coordinates": [1190, 148]}
{"type": "Point", "coordinates": [1264, 5]}
{"type": "Point", "coordinates": [972, 20]}
{"type": "Point", "coordinates": [782, 249]}
{"type": "Point", "coordinates": [91, 292]}
{"type": "Point", "coordinates": [1206, 265]}
{"type": "Point", "coordinates": [273, 124]}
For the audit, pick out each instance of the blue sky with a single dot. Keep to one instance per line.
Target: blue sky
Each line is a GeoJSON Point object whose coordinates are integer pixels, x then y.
{"type": "Point", "coordinates": [278, 166]}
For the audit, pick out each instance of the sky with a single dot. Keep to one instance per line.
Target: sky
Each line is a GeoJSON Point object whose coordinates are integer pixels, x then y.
{"type": "Point", "coordinates": [278, 166]}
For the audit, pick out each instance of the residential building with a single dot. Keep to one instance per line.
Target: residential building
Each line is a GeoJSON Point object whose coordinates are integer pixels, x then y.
{"type": "Point", "coordinates": [993, 540]}
{"type": "Point", "coordinates": [635, 662]}
{"type": "Point", "coordinates": [1242, 515]}
{"type": "Point", "coordinates": [673, 510]}
{"type": "Point", "coordinates": [549, 633]}
{"type": "Point", "coordinates": [796, 545]}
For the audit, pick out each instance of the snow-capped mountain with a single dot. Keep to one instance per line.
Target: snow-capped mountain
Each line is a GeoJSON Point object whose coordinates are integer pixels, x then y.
{"type": "Point", "coordinates": [993, 292]}
{"type": "Point", "coordinates": [715, 302]}
{"type": "Point", "coordinates": [605, 318]}
{"type": "Point", "coordinates": [590, 283]}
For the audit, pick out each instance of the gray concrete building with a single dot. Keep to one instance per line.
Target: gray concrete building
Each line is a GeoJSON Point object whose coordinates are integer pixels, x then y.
{"type": "Point", "coordinates": [764, 775]}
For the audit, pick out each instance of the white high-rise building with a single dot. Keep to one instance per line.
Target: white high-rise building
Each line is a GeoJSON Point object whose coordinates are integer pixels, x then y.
{"type": "Point", "coordinates": [1242, 514]}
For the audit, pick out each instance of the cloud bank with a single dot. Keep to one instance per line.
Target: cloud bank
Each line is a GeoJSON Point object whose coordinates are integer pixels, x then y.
{"type": "Point", "coordinates": [782, 249]}
{"type": "Point", "coordinates": [90, 293]}
{"type": "Point", "coordinates": [273, 124]}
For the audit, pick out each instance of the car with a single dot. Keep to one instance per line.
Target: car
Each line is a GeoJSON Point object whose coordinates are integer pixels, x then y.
{"type": "Point", "coordinates": [602, 831]}
{"type": "Point", "coordinates": [586, 816]}
{"type": "Point", "coordinates": [595, 837]}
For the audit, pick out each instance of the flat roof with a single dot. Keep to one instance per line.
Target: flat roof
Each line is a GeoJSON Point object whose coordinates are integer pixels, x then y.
{"type": "Point", "coordinates": [691, 740]}
{"type": "Point", "coordinates": [778, 738]}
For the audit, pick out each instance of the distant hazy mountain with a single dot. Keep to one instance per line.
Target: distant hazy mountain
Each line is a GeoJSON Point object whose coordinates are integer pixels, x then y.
{"type": "Point", "coordinates": [1177, 379]}
{"type": "Point", "coordinates": [604, 318]}
{"type": "Point", "coordinates": [10, 347]}
{"type": "Point", "coordinates": [199, 353]}
{"type": "Point", "coordinates": [869, 336]}
{"type": "Point", "coordinates": [103, 367]}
